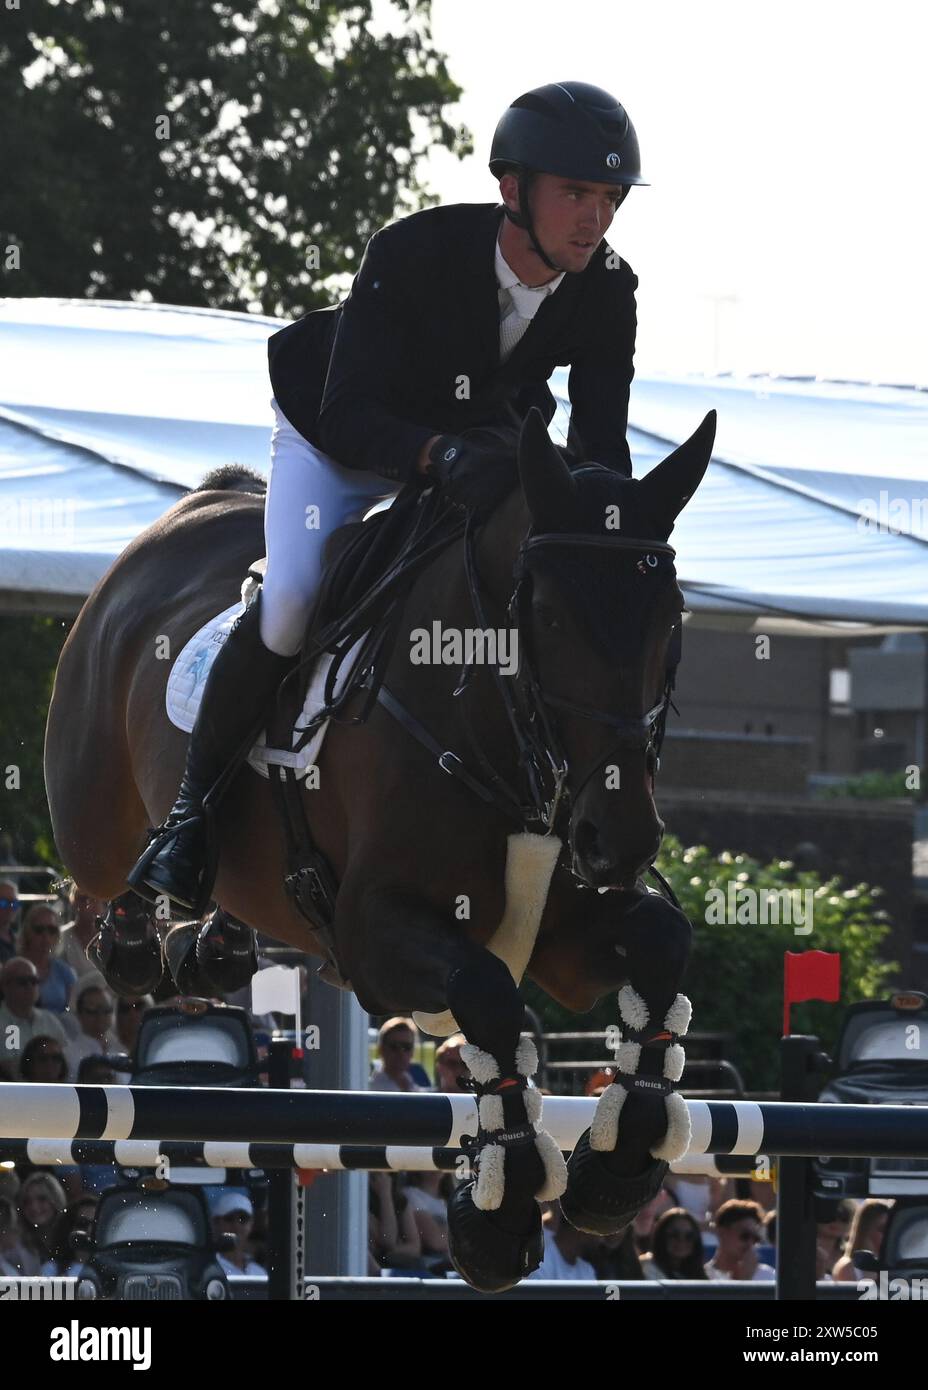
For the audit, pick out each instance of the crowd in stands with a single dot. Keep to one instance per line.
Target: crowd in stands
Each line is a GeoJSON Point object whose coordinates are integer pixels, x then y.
{"type": "Point", "coordinates": [59, 1022]}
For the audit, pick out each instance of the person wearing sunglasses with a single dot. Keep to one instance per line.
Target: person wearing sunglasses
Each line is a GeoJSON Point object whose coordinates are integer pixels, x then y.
{"type": "Point", "coordinates": [396, 1042]}
{"type": "Point", "coordinates": [39, 938]}
{"type": "Point", "coordinates": [739, 1227]}
{"type": "Point", "coordinates": [94, 1010]}
{"type": "Point", "coordinates": [676, 1248]}
{"type": "Point", "coordinates": [9, 907]}
{"type": "Point", "coordinates": [21, 1019]}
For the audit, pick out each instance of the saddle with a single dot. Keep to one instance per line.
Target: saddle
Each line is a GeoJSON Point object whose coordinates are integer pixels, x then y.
{"type": "Point", "coordinates": [370, 567]}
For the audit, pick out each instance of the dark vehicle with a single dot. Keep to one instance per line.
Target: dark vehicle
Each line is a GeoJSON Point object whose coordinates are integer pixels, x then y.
{"type": "Point", "coordinates": [195, 1044]}
{"type": "Point", "coordinates": [904, 1251]}
{"type": "Point", "coordinates": [154, 1245]}
{"type": "Point", "coordinates": [881, 1058]}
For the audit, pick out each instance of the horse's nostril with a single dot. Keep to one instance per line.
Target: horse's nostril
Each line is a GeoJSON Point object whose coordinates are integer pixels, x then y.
{"type": "Point", "coordinates": [585, 839]}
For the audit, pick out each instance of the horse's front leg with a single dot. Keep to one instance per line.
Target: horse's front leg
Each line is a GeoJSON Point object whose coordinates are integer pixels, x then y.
{"type": "Point", "coordinates": [406, 956]}
{"type": "Point", "coordinates": [641, 1124]}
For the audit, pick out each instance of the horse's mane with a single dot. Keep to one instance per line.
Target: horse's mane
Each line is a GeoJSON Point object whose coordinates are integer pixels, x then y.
{"type": "Point", "coordinates": [233, 477]}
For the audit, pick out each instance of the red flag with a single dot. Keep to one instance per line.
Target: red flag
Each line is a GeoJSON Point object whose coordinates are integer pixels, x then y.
{"type": "Point", "coordinates": [810, 975]}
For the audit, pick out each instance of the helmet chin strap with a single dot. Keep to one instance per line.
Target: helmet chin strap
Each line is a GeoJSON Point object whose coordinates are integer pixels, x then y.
{"type": "Point", "coordinates": [524, 220]}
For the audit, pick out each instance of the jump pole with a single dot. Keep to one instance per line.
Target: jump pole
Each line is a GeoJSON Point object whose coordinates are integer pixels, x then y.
{"type": "Point", "coordinates": [151, 1153]}
{"type": "Point", "coordinates": [434, 1121]}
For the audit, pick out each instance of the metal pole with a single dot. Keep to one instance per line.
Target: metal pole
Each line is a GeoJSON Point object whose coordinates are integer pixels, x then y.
{"type": "Point", "coordinates": [336, 1204]}
{"type": "Point", "coordinates": [285, 1201]}
{"type": "Point", "coordinates": [795, 1214]}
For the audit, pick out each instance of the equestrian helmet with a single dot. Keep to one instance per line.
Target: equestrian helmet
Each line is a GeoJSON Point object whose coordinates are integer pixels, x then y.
{"type": "Point", "coordinates": [570, 129]}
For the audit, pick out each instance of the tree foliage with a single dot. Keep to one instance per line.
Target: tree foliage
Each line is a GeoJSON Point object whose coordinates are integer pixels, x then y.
{"type": "Point", "coordinates": [231, 155]}
{"type": "Point", "coordinates": [31, 646]}
{"type": "Point", "coordinates": [735, 976]}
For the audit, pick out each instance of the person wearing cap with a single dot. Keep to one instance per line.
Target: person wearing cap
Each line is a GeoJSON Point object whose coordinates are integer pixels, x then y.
{"type": "Point", "coordinates": [455, 321]}
{"type": "Point", "coordinates": [234, 1215]}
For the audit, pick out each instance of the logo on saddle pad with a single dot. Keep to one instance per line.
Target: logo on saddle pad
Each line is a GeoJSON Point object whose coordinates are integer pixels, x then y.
{"type": "Point", "coordinates": [469, 646]}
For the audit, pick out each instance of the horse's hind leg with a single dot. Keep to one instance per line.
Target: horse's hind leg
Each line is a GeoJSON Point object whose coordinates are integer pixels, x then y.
{"type": "Point", "coordinates": [640, 1124]}
{"type": "Point", "coordinates": [407, 957]}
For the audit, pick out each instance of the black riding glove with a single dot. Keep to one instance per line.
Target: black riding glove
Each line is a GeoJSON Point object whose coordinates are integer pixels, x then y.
{"type": "Point", "coordinates": [469, 476]}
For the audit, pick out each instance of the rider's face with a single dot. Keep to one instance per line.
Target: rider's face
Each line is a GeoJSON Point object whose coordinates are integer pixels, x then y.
{"type": "Point", "coordinates": [571, 217]}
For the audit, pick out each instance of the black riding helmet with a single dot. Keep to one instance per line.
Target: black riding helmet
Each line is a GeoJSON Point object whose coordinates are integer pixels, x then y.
{"type": "Point", "coordinates": [565, 128]}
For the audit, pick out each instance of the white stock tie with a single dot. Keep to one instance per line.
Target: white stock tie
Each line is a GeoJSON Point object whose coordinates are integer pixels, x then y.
{"type": "Point", "coordinates": [525, 303]}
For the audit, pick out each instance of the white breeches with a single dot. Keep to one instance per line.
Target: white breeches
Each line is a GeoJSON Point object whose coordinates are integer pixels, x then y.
{"type": "Point", "coordinates": [309, 496]}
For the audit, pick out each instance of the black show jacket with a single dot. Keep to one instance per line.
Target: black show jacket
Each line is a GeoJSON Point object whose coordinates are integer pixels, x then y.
{"type": "Point", "coordinates": [414, 349]}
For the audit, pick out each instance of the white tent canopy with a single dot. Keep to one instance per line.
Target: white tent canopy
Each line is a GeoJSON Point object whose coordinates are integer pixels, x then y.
{"type": "Point", "coordinates": [814, 509]}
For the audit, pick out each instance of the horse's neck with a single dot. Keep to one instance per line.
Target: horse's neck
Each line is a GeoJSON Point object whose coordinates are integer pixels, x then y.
{"type": "Point", "coordinates": [443, 596]}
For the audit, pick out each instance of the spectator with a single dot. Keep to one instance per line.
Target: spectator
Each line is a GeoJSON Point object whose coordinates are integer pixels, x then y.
{"type": "Point", "coordinates": [867, 1230]}
{"type": "Point", "coordinates": [15, 1260]}
{"type": "Point", "coordinates": [831, 1233]}
{"type": "Point", "coordinates": [427, 1195]}
{"type": "Point", "coordinates": [129, 1014]}
{"type": "Point", "coordinates": [96, 1071]}
{"type": "Point", "coordinates": [676, 1248]}
{"type": "Point", "coordinates": [739, 1226]}
{"type": "Point", "coordinates": [77, 934]}
{"type": "Point", "coordinates": [78, 1217]}
{"type": "Point", "coordinates": [38, 939]}
{"type": "Point", "coordinates": [450, 1071]}
{"type": "Point", "coordinates": [43, 1059]}
{"type": "Point", "coordinates": [393, 1238]}
{"type": "Point", "coordinates": [9, 907]}
{"type": "Point", "coordinates": [644, 1222]}
{"type": "Point", "coordinates": [616, 1257]}
{"type": "Point", "coordinates": [42, 1202]}
{"type": "Point", "coordinates": [233, 1215]}
{"type": "Point", "coordinates": [93, 1007]}
{"type": "Point", "coordinates": [565, 1249]}
{"type": "Point", "coordinates": [20, 1020]}
{"type": "Point", "coordinates": [396, 1042]}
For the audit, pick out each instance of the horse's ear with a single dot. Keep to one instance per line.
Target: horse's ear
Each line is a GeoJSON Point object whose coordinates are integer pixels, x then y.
{"type": "Point", "coordinates": [546, 480]}
{"type": "Point", "coordinates": [668, 487]}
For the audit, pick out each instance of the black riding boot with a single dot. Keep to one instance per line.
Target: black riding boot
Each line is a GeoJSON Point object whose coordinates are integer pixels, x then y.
{"type": "Point", "coordinates": [244, 677]}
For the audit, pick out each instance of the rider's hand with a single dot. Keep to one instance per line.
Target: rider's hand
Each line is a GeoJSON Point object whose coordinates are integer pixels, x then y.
{"type": "Point", "coordinates": [467, 475]}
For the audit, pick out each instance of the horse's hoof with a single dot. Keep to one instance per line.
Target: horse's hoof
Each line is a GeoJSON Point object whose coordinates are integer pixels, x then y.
{"type": "Point", "coordinates": [226, 953]}
{"type": "Point", "coordinates": [487, 1255]}
{"type": "Point", "coordinates": [600, 1202]}
{"type": "Point", "coordinates": [127, 951]}
{"type": "Point", "coordinates": [180, 954]}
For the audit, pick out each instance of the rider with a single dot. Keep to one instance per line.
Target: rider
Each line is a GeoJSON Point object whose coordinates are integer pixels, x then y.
{"type": "Point", "coordinates": [456, 318]}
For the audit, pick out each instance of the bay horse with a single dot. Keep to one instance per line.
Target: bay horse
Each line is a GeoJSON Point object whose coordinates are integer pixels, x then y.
{"type": "Point", "coordinates": [574, 564]}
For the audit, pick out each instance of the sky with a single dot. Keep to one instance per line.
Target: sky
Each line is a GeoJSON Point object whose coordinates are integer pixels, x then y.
{"type": "Point", "coordinates": [786, 225]}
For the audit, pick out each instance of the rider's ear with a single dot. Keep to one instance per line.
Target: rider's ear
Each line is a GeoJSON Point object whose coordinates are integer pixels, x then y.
{"type": "Point", "coordinates": [546, 480]}
{"type": "Point", "coordinates": [668, 487]}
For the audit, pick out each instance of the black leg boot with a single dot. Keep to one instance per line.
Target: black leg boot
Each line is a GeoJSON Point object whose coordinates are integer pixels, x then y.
{"type": "Point", "coordinates": [243, 680]}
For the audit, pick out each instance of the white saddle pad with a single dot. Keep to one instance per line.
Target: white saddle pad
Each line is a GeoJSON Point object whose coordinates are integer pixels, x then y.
{"type": "Point", "coordinates": [188, 678]}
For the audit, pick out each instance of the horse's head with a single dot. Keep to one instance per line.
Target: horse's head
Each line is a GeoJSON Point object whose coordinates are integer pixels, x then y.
{"type": "Point", "coordinates": [598, 606]}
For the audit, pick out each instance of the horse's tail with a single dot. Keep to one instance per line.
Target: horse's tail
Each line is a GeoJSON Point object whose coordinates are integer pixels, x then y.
{"type": "Point", "coordinates": [233, 477]}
